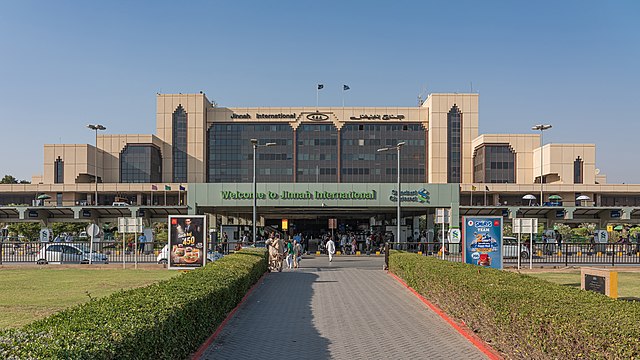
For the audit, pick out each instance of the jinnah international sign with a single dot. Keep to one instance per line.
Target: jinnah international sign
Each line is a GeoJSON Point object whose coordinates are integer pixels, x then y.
{"type": "Point", "coordinates": [305, 195]}
{"type": "Point", "coordinates": [323, 194]}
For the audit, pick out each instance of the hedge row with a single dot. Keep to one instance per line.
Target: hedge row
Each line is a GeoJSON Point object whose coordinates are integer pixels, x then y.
{"type": "Point", "coordinates": [525, 317]}
{"type": "Point", "coordinates": [167, 320]}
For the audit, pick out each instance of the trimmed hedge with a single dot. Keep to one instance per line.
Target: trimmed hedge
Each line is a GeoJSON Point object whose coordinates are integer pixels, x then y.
{"type": "Point", "coordinates": [167, 320]}
{"type": "Point", "coordinates": [524, 317]}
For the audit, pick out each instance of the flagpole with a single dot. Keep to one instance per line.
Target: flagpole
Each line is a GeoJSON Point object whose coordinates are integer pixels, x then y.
{"type": "Point", "coordinates": [471, 202]}
{"type": "Point", "coordinates": [151, 196]}
{"type": "Point", "coordinates": [485, 195]}
{"type": "Point", "coordinates": [165, 195]}
{"type": "Point", "coordinates": [317, 96]}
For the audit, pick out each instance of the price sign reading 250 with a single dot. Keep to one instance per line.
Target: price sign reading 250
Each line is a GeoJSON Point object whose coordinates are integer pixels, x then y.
{"type": "Point", "coordinates": [189, 240]}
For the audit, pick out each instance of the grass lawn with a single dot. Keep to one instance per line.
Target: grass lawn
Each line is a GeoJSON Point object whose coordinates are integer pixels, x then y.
{"type": "Point", "coordinates": [33, 293]}
{"type": "Point", "coordinates": [628, 282]}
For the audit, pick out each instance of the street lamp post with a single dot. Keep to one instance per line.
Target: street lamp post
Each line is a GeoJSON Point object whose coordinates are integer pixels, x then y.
{"type": "Point", "coordinates": [397, 147]}
{"type": "Point", "coordinates": [254, 143]}
{"type": "Point", "coordinates": [96, 127]}
{"type": "Point", "coordinates": [542, 128]}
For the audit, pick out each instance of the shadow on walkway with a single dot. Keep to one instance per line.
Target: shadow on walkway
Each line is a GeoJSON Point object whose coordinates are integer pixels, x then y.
{"type": "Point", "coordinates": [276, 322]}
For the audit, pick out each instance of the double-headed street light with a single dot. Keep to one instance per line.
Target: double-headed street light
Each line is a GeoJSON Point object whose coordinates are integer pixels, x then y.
{"type": "Point", "coordinates": [397, 147]}
{"type": "Point", "coordinates": [254, 143]}
{"type": "Point", "coordinates": [542, 128]}
{"type": "Point", "coordinates": [96, 127]}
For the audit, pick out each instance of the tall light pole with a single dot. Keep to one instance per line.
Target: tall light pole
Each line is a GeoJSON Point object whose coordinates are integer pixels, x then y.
{"type": "Point", "coordinates": [542, 128]}
{"type": "Point", "coordinates": [96, 127]}
{"type": "Point", "coordinates": [397, 147]}
{"type": "Point", "coordinates": [254, 143]}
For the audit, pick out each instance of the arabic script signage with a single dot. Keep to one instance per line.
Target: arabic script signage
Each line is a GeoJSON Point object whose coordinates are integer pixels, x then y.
{"type": "Point", "coordinates": [377, 117]}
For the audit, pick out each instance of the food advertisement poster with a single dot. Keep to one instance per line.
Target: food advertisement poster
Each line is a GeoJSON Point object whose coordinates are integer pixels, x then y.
{"type": "Point", "coordinates": [483, 241]}
{"type": "Point", "coordinates": [187, 241]}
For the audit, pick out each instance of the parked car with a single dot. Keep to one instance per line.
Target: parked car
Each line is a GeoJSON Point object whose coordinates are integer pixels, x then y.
{"type": "Point", "coordinates": [163, 257]}
{"type": "Point", "coordinates": [510, 248]}
{"type": "Point", "coordinates": [69, 253]}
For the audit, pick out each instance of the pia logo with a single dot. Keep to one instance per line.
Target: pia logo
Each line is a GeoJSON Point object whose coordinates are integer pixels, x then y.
{"type": "Point", "coordinates": [318, 117]}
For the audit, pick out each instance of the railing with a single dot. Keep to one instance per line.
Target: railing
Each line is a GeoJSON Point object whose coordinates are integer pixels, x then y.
{"type": "Point", "coordinates": [543, 253]}
{"type": "Point", "coordinates": [112, 251]}
{"type": "Point", "coordinates": [79, 252]}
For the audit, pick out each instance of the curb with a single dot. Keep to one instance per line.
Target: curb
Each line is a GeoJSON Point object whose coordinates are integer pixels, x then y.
{"type": "Point", "coordinates": [198, 354]}
{"type": "Point", "coordinates": [460, 328]}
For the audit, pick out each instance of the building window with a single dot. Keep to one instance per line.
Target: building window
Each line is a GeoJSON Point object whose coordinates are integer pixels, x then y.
{"type": "Point", "coordinates": [58, 199]}
{"type": "Point", "coordinates": [317, 153]}
{"type": "Point", "coordinates": [140, 163]}
{"type": "Point", "coordinates": [58, 170]}
{"type": "Point", "coordinates": [454, 145]}
{"type": "Point", "coordinates": [179, 145]}
{"type": "Point", "coordinates": [362, 163]}
{"type": "Point", "coordinates": [230, 153]}
{"type": "Point", "coordinates": [494, 163]}
{"type": "Point", "coordinates": [578, 166]}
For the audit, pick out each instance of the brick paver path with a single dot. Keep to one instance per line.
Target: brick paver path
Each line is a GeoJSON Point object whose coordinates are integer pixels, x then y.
{"type": "Point", "coordinates": [349, 309]}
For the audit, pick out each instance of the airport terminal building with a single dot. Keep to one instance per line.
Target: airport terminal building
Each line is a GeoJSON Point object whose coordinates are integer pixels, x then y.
{"type": "Point", "coordinates": [324, 162]}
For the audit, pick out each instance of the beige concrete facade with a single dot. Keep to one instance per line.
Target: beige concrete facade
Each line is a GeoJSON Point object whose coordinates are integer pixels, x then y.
{"type": "Point", "coordinates": [558, 161]}
{"type": "Point", "coordinates": [438, 106]}
{"type": "Point", "coordinates": [522, 145]}
{"type": "Point", "coordinates": [80, 166]}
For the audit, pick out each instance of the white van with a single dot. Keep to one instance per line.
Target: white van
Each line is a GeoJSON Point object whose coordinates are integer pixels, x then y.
{"type": "Point", "coordinates": [120, 203]}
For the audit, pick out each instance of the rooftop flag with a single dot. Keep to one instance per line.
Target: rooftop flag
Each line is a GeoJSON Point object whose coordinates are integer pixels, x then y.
{"type": "Point", "coordinates": [182, 188]}
{"type": "Point", "coordinates": [167, 187]}
{"type": "Point", "coordinates": [153, 187]}
{"type": "Point", "coordinates": [320, 86]}
{"type": "Point", "coordinates": [345, 87]}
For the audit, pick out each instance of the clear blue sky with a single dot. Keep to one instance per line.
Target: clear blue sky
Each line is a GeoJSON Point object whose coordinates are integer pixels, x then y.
{"type": "Point", "coordinates": [574, 64]}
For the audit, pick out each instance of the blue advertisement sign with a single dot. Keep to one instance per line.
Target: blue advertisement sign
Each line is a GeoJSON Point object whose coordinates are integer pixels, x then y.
{"type": "Point", "coordinates": [483, 241]}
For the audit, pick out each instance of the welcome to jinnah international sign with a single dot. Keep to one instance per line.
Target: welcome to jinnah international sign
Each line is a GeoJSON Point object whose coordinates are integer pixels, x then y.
{"type": "Point", "coordinates": [305, 195]}
{"type": "Point", "coordinates": [323, 194]}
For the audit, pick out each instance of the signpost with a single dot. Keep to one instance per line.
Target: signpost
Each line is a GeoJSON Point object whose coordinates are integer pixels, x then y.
{"type": "Point", "coordinates": [130, 225]}
{"type": "Point", "coordinates": [483, 241]}
{"type": "Point", "coordinates": [525, 226]}
{"type": "Point", "coordinates": [333, 223]}
{"type": "Point", "coordinates": [93, 230]}
{"type": "Point", "coordinates": [443, 216]}
{"type": "Point", "coordinates": [187, 241]}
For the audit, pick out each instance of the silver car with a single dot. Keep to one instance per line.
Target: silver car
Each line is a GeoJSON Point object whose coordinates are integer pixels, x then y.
{"type": "Point", "coordinates": [69, 253]}
{"type": "Point", "coordinates": [510, 248]}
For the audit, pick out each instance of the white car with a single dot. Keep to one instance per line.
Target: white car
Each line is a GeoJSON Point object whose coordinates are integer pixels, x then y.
{"type": "Point", "coordinates": [69, 253]}
{"type": "Point", "coordinates": [510, 248]}
{"type": "Point", "coordinates": [163, 257]}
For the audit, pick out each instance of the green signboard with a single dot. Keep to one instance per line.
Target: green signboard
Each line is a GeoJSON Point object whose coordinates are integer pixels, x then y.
{"type": "Point", "coordinates": [321, 194]}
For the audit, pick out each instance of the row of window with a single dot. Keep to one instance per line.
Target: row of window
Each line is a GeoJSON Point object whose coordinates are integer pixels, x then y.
{"type": "Point", "coordinates": [316, 171]}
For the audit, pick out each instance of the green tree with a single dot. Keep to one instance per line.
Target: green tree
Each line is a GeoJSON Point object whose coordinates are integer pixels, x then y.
{"type": "Point", "coordinates": [8, 179]}
{"type": "Point", "coordinates": [31, 231]}
{"type": "Point", "coordinates": [69, 228]}
{"type": "Point", "coordinates": [160, 232]}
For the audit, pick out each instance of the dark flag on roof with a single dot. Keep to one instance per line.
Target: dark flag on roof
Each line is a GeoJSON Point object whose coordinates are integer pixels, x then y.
{"type": "Point", "coordinates": [345, 87]}
{"type": "Point", "coordinates": [320, 86]}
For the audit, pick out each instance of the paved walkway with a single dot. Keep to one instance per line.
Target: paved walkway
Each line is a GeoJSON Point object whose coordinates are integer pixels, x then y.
{"type": "Point", "coordinates": [349, 309]}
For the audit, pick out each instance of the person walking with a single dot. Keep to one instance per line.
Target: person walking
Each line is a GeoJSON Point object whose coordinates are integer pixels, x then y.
{"type": "Point", "coordinates": [331, 249]}
{"type": "Point", "coordinates": [297, 254]}
{"type": "Point", "coordinates": [290, 254]}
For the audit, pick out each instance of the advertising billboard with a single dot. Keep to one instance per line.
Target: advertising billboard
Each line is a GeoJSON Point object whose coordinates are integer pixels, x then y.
{"type": "Point", "coordinates": [483, 241]}
{"type": "Point", "coordinates": [187, 241]}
